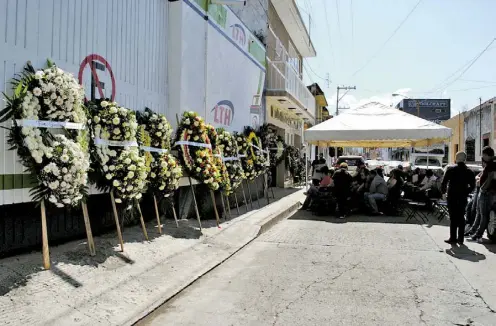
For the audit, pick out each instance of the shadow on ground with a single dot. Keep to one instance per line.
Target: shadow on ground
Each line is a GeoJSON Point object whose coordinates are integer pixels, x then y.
{"type": "Point", "coordinates": [360, 217]}
{"type": "Point", "coordinates": [15, 272]}
{"type": "Point", "coordinates": [464, 253]}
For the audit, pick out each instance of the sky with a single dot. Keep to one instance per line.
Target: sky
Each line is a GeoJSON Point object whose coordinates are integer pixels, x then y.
{"type": "Point", "coordinates": [425, 58]}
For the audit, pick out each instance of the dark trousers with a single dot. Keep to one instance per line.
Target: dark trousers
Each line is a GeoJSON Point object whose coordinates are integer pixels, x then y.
{"type": "Point", "coordinates": [471, 209]}
{"type": "Point", "coordinates": [456, 209]}
{"type": "Point", "coordinates": [342, 201]}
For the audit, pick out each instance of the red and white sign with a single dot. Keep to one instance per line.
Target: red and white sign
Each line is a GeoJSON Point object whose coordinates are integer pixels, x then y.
{"type": "Point", "coordinates": [88, 64]}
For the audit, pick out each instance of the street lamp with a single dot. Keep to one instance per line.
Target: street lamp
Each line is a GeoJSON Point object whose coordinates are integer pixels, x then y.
{"type": "Point", "coordinates": [409, 98]}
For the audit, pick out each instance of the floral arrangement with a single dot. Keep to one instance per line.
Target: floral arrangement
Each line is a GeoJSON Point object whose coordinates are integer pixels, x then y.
{"type": "Point", "coordinates": [196, 151]}
{"type": "Point", "coordinates": [246, 160]}
{"type": "Point", "coordinates": [43, 100]}
{"type": "Point", "coordinates": [165, 174]}
{"type": "Point", "coordinates": [229, 148]}
{"type": "Point", "coordinates": [274, 143]}
{"type": "Point", "coordinates": [157, 127]}
{"type": "Point", "coordinates": [165, 171]}
{"type": "Point", "coordinates": [294, 163]}
{"type": "Point", "coordinates": [67, 173]}
{"type": "Point", "coordinates": [256, 152]}
{"type": "Point", "coordinates": [111, 122]}
{"type": "Point", "coordinates": [224, 180]}
{"type": "Point", "coordinates": [119, 163]}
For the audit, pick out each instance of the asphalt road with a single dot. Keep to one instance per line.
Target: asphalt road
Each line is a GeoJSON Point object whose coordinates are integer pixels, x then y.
{"type": "Point", "coordinates": [321, 271]}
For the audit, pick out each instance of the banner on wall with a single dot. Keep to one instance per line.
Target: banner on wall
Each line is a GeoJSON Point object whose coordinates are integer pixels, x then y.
{"type": "Point", "coordinates": [235, 78]}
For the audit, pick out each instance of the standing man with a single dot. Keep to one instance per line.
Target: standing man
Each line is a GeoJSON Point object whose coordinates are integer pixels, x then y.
{"type": "Point", "coordinates": [487, 194]}
{"type": "Point", "coordinates": [317, 164]}
{"type": "Point", "coordinates": [459, 180]}
{"type": "Point", "coordinates": [342, 185]}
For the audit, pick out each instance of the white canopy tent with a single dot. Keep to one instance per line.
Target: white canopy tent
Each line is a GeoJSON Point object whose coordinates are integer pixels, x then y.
{"type": "Point", "coordinates": [376, 125]}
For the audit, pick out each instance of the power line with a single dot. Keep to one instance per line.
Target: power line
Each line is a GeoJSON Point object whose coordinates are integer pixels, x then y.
{"type": "Point", "coordinates": [338, 20]}
{"type": "Point", "coordinates": [479, 81]}
{"type": "Point", "coordinates": [310, 67]}
{"type": "Point", "coordinates": [352, 35]}
{"type": "Point", "coordinates": [328, 33]}
{"type": "Point", "coordinates": [389, 38]}
{"type": "Point", "coordinates": [473, 61]}
{"type": "Point", "coordinates": [472, 88]}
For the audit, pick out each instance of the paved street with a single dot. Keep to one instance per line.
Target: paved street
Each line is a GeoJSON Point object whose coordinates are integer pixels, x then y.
{"type": "Point", "coordinates": [320, 271]}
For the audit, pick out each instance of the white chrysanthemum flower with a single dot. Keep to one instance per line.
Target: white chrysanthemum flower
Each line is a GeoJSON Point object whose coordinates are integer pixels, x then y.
{"type": "Point", "coordinates": [37, 91]}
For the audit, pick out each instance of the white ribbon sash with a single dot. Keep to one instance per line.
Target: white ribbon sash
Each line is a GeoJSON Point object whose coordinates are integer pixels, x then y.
{"type": "Point", "coordinates": [117, 143]}
{"type": "Point", "coordinates": [227, 159]}
{"type": "Point", "coordinates": [50, 124]}
{"type": "Point", "coordinates": [154, 149]}
{"type": "Point", "coordinates": [260, 149]}
{"type": "Point", "coordinates": [192, 143]}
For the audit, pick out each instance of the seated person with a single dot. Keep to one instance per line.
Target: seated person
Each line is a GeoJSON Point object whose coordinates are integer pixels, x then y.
{"type": "Point", "coordinates": [315, 188]}
{"type": "Point", "coordinates": [378, 191]}
{"type": "Point", "coordinates": [395, 184]}
{"type": "Point", "coordinates": [359, 186]}
{"type": "Point", "coordinates": [420, 191]}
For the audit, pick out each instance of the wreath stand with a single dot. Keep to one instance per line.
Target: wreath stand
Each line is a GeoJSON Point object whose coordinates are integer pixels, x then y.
{"type": "Point", "coordinates": [143, 226]}
{"type": "Point", "coordinates": [173, 211]}
{"type": "Point", "coordinates": [44, 233]}
{"type": "Point", "coordinates": [237, 205]}
{"type": "Point", "coordinates": [244, 196]}
{"type": "Point", "coordinates": [44, 237]}
{"type": "Point", "coordinates": [89, 234]}
{"type": "Point", "coordinates": [256, 192]}
{"type": "Point", "coordinates": [212, 196]}
{"type": "Point", "coordinates": [159, 224]}
{"type": "Point", "coordinates": [116, 217]}
{"type": "Point", "coordinates": [266, 189]}
{"type": "Point", "coordinates": [228, 206]}
{"type": "Point", "coordinates": [249, 193]}
{"type": "Point", "coordinates": [223, 206]}
{"type": "Point", "coordinates": [194, 200]}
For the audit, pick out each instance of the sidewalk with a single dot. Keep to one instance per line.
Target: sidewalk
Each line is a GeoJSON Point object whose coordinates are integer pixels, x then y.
{"type": "Point", "coordinates": [115, 288]}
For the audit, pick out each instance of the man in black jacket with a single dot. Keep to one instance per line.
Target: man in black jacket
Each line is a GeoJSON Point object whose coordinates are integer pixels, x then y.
{"type": "Point", "coordinates": [342, 185]}
{"type": "Point", "coordinates": [459, 180]}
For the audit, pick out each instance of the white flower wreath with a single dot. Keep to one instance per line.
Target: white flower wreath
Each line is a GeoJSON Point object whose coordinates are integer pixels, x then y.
{"type": "Point", "coordinates": [118, 160]}
{"type": "Point", "coordinates": [50, 98]}
{"type": "Point", "coordinates": [155, 138]}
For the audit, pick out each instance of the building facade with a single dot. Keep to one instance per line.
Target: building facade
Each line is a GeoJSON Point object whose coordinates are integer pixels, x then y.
{"type": "Point", "coordinates": [478, 130]}
{"type": "Point", "coordinates": [435, 110]}
{"type": "Point", "coordinates": [289, 103]}
{"type": "Point", "coordinates": [457, 142]}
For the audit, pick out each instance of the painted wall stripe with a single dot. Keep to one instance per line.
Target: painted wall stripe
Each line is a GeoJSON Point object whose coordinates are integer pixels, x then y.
{"type": "Point", "coordinates": [223, 33]}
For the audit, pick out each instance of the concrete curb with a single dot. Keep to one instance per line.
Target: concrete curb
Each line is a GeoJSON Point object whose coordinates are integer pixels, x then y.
{"type": "Point", "coordinates": [272, 220]}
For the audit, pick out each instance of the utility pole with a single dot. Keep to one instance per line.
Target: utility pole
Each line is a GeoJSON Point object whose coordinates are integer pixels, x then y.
{"type": "Point", "coordinates": [346, 88]}
{"type": "Point", "coordinates": [480, 125]}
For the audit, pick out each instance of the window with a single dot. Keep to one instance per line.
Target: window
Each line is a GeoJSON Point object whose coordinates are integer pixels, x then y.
{"type": "Point", "coordinates": [470, 150]}
{"type": "Point", "coordinates": [294, 58]}
{"type": "Point", "coordinates": [422, 161]}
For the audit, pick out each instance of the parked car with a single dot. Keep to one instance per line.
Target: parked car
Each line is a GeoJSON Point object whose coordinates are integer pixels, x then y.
{"type": "Point", "coordinates": [352, 161]}
{"type": "Point", "coordinates": [372, 164]}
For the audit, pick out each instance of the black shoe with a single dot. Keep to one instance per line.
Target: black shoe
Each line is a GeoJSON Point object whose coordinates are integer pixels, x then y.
{"type": "Point", "coordinates": [450, 241]}
{"type": "Point", "coordinates": [460, 241]}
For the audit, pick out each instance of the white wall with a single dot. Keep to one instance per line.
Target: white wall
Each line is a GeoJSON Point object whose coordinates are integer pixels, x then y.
{"type": "Point", "coordinates": [217, 71]}
{"type": "Point", "coordinates": [130, 34]}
